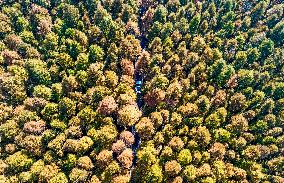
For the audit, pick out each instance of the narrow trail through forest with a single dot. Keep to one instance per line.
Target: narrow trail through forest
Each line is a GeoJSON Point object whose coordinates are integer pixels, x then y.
{"type": "Point", "coordinates": [138, 87]}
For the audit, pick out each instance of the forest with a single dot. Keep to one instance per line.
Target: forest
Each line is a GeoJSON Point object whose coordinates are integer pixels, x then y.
{"type": "Point", "coordinates": [141, 91]}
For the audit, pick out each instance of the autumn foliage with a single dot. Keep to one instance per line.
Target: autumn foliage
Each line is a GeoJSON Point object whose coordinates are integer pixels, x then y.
{"type": "Point", "coordinates": [211, 107]}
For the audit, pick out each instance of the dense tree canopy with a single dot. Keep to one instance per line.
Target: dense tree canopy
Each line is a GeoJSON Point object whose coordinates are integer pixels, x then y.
{"type": "Point", "coordinates": [212, 92]}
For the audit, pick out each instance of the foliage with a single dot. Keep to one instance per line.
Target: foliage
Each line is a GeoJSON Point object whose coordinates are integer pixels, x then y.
{"type": "Point", "coordinates": [210, 109]}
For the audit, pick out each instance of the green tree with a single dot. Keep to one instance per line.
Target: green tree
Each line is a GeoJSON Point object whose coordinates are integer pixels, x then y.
{"type": "Point", "coordinates": [96, 53]}
{"type": "Point", "coordinates": [160, 14]}
{"type": "Point", "coordinates": [38, 72]}
{"type": "Point", "coordinates": [266, 48]}
{"type": "Point", "coordinates": [70, 14]}
{"type": "Point", "coordinates": [194, 24]}
{"type": "Point", "coordinates": [278, 33]}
